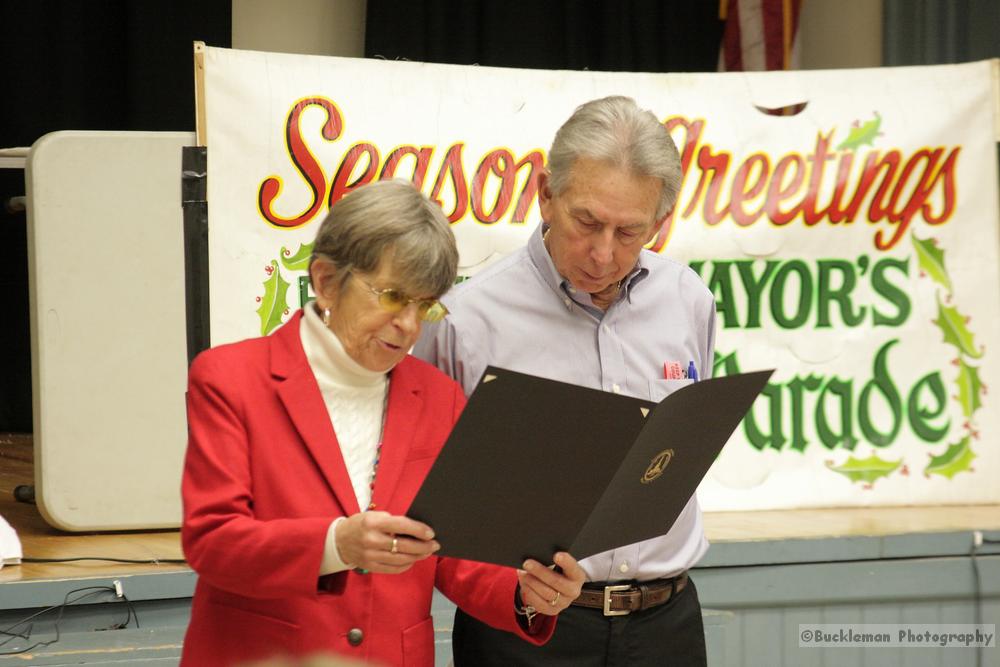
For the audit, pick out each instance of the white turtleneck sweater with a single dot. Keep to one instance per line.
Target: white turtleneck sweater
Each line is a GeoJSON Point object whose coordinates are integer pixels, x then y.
{"type": "Point", "coordinates": [355, 399]}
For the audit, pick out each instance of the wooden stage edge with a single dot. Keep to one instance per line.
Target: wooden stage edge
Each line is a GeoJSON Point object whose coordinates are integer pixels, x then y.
{"type": "Point", "coordinates": [39, 540]}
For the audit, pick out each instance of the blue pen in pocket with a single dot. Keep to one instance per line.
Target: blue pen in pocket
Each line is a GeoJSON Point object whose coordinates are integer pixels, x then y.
{"type": "Point", "coordinates": [692, 372]}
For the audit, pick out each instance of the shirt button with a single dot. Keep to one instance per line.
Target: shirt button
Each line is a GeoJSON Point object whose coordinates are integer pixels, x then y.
{"type": "Point", "coordinates": [355, 636]}
{"type": "Point", "coordinates": [566, 301]}
{"type": "Point", "coordinates": [623, 568]}
{"type": "Point", "coordinates": [615, 388]}
{"type": "Point", "coordinates": [606, 328]}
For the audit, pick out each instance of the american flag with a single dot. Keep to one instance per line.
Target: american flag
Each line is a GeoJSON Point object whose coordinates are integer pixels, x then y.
{"type": "Point", "coordinates": [759, 35]}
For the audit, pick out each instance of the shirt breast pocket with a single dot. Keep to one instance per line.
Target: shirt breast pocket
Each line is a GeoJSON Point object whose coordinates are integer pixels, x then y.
{"type": "Point", "coordinates": [660, 389]}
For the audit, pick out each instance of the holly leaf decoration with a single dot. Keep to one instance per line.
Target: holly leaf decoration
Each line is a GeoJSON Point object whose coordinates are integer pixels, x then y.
{"type": "Point", "coordinates": [300, 260]}
{"type": "Point", "coordinates": [952, 325]}
{"type": "Point", "coordinates": [957, 458]}
{"type": "Point", "coordinates": [931, 260]}
{"type": "Point", "coordinates": [969, 388]}
{"type": "Point", "coordinates": [865, 470]}
{"type": "Point", "coordinates": [274, 302]}
{"type": "Point", "coordinates": [862, 134]}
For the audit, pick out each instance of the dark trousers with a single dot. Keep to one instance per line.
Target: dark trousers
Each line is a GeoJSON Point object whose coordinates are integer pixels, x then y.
{"type": "Point", "coordinates": [671, 634]}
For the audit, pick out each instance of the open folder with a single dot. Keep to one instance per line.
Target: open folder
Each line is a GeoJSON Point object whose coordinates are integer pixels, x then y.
{"type": "Point", "coordinates": [536, 466]}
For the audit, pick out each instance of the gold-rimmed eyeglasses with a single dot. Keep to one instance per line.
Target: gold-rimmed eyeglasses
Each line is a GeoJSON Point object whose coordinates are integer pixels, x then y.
{"type": "Point", "coordinates": [393, 300]}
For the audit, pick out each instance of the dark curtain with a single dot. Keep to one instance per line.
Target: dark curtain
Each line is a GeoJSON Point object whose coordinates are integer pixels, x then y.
{"type": "Point", "coordinates": [937, 32]}
{"type": "Point", "coordinates": [609, 35]}
{"type": "Point", "coordinates": [95, 65]}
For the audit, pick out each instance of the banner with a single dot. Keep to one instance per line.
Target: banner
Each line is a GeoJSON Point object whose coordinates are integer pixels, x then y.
{"type": "Point", "coordinates": [846, 221]}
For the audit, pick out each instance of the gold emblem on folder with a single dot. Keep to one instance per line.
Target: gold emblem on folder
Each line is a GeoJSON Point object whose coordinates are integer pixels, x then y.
{"type": "Point", "coordinates": [657, 465]}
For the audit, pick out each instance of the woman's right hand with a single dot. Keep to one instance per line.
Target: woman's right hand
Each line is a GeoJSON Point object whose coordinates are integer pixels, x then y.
{"type": "Point", "coordinates": [383, 542]}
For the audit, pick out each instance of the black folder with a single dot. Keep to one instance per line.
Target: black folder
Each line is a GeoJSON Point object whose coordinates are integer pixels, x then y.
{"type": "Point", "coordinates": [536, 466]}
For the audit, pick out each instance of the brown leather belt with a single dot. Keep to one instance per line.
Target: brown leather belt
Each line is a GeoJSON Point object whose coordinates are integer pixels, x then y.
{"type": "Point", "coordinates": [622, 599]}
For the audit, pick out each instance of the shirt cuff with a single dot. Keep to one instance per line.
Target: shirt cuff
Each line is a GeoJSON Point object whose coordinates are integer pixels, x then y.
{"type": "Point", "coordinates": [332, 561]}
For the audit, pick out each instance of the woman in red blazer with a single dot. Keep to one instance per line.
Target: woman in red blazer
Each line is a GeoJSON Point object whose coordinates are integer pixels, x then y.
{"type": "Point", "coordinates": [307, 446]}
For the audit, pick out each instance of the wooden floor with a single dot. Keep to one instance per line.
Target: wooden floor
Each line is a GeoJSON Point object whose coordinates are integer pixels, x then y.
{"type": "Point", "coordinates": [39, 540]}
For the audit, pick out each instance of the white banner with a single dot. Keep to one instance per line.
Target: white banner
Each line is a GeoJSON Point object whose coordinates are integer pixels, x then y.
{"type": "Point", "coordinates": [852, 246]}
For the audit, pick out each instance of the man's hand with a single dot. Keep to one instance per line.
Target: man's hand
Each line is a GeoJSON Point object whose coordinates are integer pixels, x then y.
{"type": "Point", "coordinates": [384, 543]}
{"type": "Point", "coordinates": [548, 591]}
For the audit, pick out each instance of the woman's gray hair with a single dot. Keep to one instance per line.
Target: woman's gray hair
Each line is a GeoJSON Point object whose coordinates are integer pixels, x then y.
{"type": "Point", "coordinates": [390, 220]}
{"type": "Point", "coordinates": [615, 130]}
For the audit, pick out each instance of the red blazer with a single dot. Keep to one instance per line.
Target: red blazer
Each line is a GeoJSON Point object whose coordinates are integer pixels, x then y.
{"type": "Point", "coordinates": [263, 479]}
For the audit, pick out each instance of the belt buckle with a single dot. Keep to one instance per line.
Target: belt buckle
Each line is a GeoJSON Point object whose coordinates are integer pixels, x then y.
{"type": "Point", "coordinates": [608, 590]}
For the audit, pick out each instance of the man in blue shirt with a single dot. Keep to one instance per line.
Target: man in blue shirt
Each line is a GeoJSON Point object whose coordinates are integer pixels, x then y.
{"type": "Point", "coordinates": [584, 303]}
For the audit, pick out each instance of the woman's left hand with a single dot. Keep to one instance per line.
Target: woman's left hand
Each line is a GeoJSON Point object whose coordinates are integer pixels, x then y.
{"type": "Point", "coordinates": [547, 590]}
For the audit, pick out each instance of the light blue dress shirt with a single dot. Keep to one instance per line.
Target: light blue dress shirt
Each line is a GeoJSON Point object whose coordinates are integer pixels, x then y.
{"type": "Point", "coordinates": [520, 314]}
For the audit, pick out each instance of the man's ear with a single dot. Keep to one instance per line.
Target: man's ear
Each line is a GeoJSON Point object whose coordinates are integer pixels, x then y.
{"type": "Point", "coordinates": [544, 193]}
{"type": "Point", "coordinates": [657, 226]}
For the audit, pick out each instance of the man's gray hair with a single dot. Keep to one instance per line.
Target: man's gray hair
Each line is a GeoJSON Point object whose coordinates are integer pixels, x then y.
{"type": "Point", "coordinates": [395, 221]}
{"type": "Point", "coordinates": [615, 130]}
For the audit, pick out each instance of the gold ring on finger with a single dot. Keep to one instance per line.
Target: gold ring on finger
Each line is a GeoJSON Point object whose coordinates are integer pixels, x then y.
{"type": "Point", "coordinates": [395, 546]}
{"type": "Point", "coordinates": [554, 601]}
